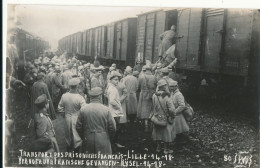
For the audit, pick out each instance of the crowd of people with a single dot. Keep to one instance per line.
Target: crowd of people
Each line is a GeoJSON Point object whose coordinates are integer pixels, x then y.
{"type": "Point", "coordinates": [97, 102]}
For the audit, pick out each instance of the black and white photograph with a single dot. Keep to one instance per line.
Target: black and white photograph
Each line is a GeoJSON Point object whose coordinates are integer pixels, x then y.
{"type": "Point", "coordinates": [118, 86]}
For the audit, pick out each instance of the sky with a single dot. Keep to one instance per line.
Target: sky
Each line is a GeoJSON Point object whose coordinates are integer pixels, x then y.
{"type": "Point", "coordinates": [54, 22]}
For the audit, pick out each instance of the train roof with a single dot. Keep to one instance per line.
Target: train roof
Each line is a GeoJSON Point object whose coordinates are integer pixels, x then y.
{"type": "Point", "coordinates": [157, 10]}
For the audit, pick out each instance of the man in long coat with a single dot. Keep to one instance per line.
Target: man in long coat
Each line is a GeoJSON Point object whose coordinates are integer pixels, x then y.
{"type": "Point", "coordinates": [168, 38]}
{"type": "Point", "coordinates": [48, 79]}
{"type": "Point", "coordinates": [39, 88]}
{"type": "Point", "coordinates": [96, 125]}
{"type": "Point", "coordinates": [147, 84]}
{"type": "Point", "coordinates": [70, 104]}
{"type": "Point", "coordinates": [57, 88]}
{"type": "Point", "coordinates": [131, 84]}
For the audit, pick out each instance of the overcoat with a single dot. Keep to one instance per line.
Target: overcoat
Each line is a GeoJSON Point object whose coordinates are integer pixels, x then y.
{"type": "Point", "coordinates": [163, 106]}
{"type": "Point", "coordinates": [97, 127]}
{"type": "Point", "coordinates": [56, 87]}
{"type": "Point", "coordinates": [131, 84]}
{"type": "Point", "coordinates": [147, 84]}
{"type": "Point", "coordinates": [38, 89]}
{"type": "Point", "coordinates": [114, 103]}
{"type": "Point", "coordinates": [44, 127]}
{"type": "Point", "coordinates": [167, 38]}
{"type": "Point", "coordinates": [180, 124]}
{"type": "Point", "coordinates": [65, 77]}
{"type": "Point", "coordinates": [122, 93]}
{"type": "Point", "coordinates": [71, 103]}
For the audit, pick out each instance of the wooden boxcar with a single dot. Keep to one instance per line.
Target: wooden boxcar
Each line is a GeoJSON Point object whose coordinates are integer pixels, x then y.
{"type": "Point", "coordinates": [79, 39]}
{"type": "Point", "coordinates": [189, 23]}
{"type": "Point", "coordinates": [124, 41]}
{"type": "Point", "coordinates": [110, 41]}
{"type": "Point", "coordinates": [90, 50]}
{"type": "Point", "coordinates": [149, 27]}
{"type": "Point", "coordinates": [100, 41]}
{"type": "Point", "coordinates": [216, 40]}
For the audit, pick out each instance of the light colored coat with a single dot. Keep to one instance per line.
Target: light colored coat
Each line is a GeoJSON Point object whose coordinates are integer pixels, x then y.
{"type": "Point", "coordinates": [114, 101]}
{"type": "Point", "coordinates": [180, 124]}
{"type": "Point", "coordinates": [168, 38]}
{"type": "Point", "coordinates": [71, 103]}
{"type": "Point", "coordinates": [122, 93]}
{"type": "Point", "coordinates": [66, 76]}
{"type": "Point", "coordinates": [131, 84]}
{"type": "Point", "coordinates": [165, 134]}
{"type": "Point", "coordinates": [147, 84]}
{"type": "Point", "coordinates": [96, 127]}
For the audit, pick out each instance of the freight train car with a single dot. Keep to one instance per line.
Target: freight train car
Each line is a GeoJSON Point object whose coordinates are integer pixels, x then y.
{"type": "Point", "coordinates": [216, 41]}
{"type": "Point", "coordinates": [149, 27]}
{"type": "Point", "coordinates": [124, 46]}
{"type": "Point", "coordinates": [28, 47]}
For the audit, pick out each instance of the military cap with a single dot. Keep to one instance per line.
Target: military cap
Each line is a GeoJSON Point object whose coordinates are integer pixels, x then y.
{"type": "Point", "coordinates": [128, 69]}
{"type": "Point", "coordinates": [113, 65]}
{"type": "Point", "coordinates": [135, 73]}
{"type": "Point", "coordinates": [41, 99]}
{"type": "Point", "coordinates": [144, 68]}
{"type": "Point", "coordinates": [40, 75]}
{"type": "Point", "coordinates": [165, 70]}
{"type": "Point", "coordinates": [95, 91]}
{"type": "Point", "coordinates": [161, 82]}
{"type": "Point", "coordinates": [112, 68]}
{"type": "Point", "coordinates": [114, 74]}
{"type": "Point", "coordinates": [74, 81]}
{"type": "Point", "coordinates": [50, 66]}
{"type": "Point", "coordinates": [173, 83]}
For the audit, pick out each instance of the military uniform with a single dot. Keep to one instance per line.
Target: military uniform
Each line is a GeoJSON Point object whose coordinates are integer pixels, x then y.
{"type": "Point", "coordinates": [43, 124]}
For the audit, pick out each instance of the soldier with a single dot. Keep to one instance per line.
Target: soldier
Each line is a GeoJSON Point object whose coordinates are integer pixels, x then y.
{"type": "Point", "coordinates": [66, 76]}
{"type": "Point", "coordinates": [93, 116]}
{"type": "Point", "coordinates": [168, 38]}
{"type": "Point", "coordinates": [70, 104]}
{"type": "Point", "coordinates": [39, 88]}
{"type": "Point", "coordinates": [138, 67]}
{"type": "Point", "coordinates": [95, 82]}
{"type": "Point", "coordinates": [57, 88]}
{"type": "Point", "coordinates": [131, 84]}
{"type": "Point", "coordinates": [163, 107]}
{"type": "Point", "coordinates": [147, 84]}
{"type": "Point", "coordinates": [114, 102]}
{"type": "Point", "coordinates": [43, 123]}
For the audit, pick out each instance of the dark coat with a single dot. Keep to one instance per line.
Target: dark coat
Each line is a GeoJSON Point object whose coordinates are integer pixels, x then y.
{"type": "Point", "coordinates": [38, 89]}
{"type": "Point", "coordinates": [44, 127]}
{"type": "Point", "coordinates": [97, 127]}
